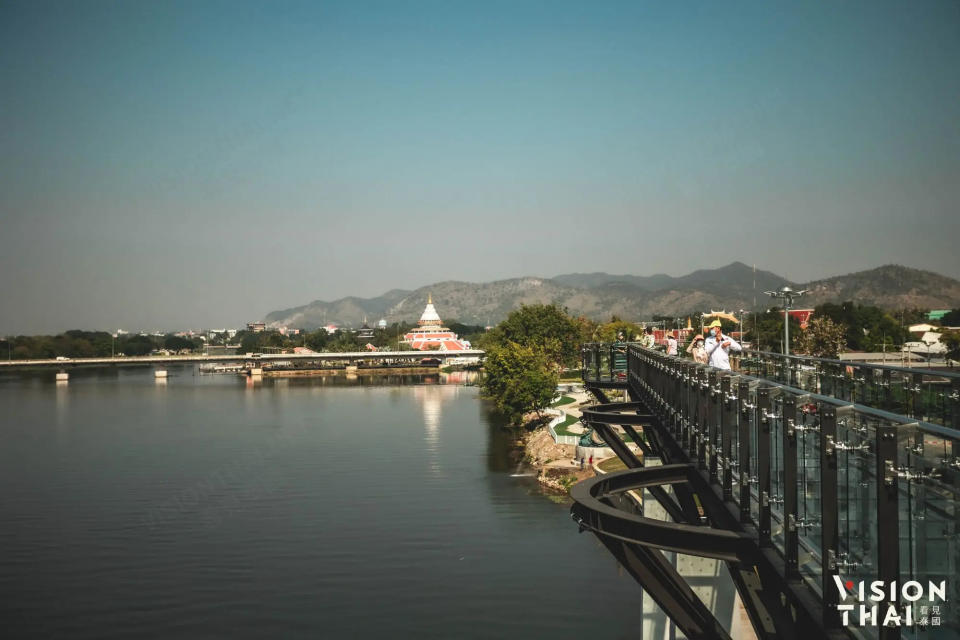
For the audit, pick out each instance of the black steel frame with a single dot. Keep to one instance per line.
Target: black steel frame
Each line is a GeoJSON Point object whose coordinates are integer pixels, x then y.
{"type": "Point", "coordinates": [701, 422]}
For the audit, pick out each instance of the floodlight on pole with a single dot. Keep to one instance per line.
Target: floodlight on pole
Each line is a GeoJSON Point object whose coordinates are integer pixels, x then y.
{"type": "Point", "coordinates": [787, 295]}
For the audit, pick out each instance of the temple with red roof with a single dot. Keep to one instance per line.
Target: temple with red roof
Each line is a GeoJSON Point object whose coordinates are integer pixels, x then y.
{"type": "Point", "coordinates": [431, 335]}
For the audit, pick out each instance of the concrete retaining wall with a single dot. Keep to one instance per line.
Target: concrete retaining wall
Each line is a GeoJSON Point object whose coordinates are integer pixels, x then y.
{"type": "Point", "coordinates": [559, 417]}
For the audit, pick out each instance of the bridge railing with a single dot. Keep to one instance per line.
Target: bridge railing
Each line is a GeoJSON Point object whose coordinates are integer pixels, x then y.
{"type": "Point", "coordinates": [925, 394]}
{"type": "Point", "coordinates": [928, 395]}
{"type": "Point", "coordinates": [605, 362]}
{"type": "Point", "coordinates": [835, 487]}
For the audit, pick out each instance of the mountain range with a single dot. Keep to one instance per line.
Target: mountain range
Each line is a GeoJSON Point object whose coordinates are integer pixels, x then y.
{"type": "Point", "coordinates": [601, 295]}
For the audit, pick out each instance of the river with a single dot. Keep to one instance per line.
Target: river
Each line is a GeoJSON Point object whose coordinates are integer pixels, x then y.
{"type": "Point", "coordinates": [209, 506]}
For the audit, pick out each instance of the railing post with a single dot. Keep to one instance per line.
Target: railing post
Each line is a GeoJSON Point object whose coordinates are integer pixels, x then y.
{"type": "Point", "coordinates": [703, 406]}
{"type": "Point", "coordinates": [791, 538]}
{"type": "Point", "coordinates": [691, 410]}
{"type": "Point", "coordinates": [691, 442]}
{"type": "Point", "coordinates": [763, 466]}
{"type": "Point", "coordinates": [916, 396]}
{"type": "Point", "coordinates": [887, 390]}
{"type": "Point", "coordinates": [829, 515]}
{"type": "Point", "coordinates": [828, 378]}
{"type": "Point", "coordinates": [743, 444]}
{"type": "Point", "coordinates": [713, 422]}
{"type": "Point", "coordinates": [676, 389]}
{"type": "Point", "coordinates": [859, 378]}
{"type": "Point", "coordinates": [727, 425]}
{"type": "Point", "coordinates": [954, 404]}
{"type": "Point", "coordinates": [888, 518]}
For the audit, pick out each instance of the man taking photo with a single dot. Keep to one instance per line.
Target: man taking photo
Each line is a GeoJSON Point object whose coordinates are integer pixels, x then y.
{"type": "Point", "coordinates": [718, 347]}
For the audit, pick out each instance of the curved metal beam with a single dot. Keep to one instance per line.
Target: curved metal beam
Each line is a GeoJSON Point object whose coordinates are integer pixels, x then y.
{"type": "Point", "coordinates": [593, 513]}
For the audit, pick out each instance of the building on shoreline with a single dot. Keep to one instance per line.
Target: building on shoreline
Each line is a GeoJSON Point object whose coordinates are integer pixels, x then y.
{"type": "Point", "coordinates": [431, 335]}
{"type": "Point", "coordinates": [365, 332]}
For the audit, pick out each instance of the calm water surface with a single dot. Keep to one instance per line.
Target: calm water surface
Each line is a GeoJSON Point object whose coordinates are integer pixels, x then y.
{"type": "Point", "coordinates": [208, 507]}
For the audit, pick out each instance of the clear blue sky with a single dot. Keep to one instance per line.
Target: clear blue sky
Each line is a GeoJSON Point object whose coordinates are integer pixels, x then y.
{"type": "Point", "coordinates": [188, 164]}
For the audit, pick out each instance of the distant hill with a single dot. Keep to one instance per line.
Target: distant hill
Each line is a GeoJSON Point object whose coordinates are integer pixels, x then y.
{"type": "Point", "coordinates": [735, 279]}
{"type": "Point", "coordinates": [600, 295]}
{"type": "Point", "coordinates": [891, 286]}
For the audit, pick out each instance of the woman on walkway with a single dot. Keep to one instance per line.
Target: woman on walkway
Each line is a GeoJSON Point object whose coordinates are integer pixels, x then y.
{"type": "Point", "coordinates": [696, 349]}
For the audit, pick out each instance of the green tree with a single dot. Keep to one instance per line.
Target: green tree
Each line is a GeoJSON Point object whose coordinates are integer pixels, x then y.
{"type": "Point", "coordinates": [765, 331]}
{"type": "Point", "coordinates": [344, 341]}
{"type": "Point", "coordinates": [868, 328]}
{"type": "Point", "coordinates": [952, 341]}
{"type": "Point", "coordinates": [609, 331]}
{"type": "Point", "coordinates": [951, 319]}
{"type": "Point", "coordinates": [317, 340]}
{"type": "Point", "coordinates": [249, 342]}
{"type": "Point", "coordinates": [136, 345]}
{"type": "Point", "coordinates": [177, 343]}
{"type": "Point", "coordinates": [823, 338]}
{"type": "Point", "coordinates": [545, 326]}
{"type": "Point", "coordinates": [519, 379]}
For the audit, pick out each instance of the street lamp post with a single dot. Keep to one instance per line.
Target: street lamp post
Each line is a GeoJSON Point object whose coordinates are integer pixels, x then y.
{"type": "Point", "coordinates": [743, 325]}
{"type": "Point", "coordinates": [787, 295]}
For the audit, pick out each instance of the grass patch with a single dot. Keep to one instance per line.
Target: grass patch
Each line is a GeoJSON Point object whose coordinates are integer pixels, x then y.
{"type": "Point", "coordinates": [612, 464]}
{"type": "Point", "coordinates": [561, 428]}
{"type": "Point", "coordinates": [562, 401]}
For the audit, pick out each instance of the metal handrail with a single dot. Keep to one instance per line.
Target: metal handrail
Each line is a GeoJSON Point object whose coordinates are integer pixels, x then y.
{"type": "Point", "coordinates": [850, 363]}
{"type": "Point", "coordinates": [869, 411]}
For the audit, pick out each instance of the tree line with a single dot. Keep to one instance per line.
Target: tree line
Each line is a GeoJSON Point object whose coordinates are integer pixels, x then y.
{"type": "Point", "coordinates": [92, 344]}
{"type": "Point", "coordinates": [101, 344]}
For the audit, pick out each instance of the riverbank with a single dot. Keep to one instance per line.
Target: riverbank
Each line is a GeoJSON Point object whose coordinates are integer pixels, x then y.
{"type": "Point", "coordinates": [557, 464]}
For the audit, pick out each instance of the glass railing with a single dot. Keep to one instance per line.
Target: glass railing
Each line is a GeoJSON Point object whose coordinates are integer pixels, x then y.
{"type": "Point", "coordinates": [930, 395]}
{"type": "Point", "coordinates": [604, 362]}
{"type": "Point", "coordinates": [837, 486]}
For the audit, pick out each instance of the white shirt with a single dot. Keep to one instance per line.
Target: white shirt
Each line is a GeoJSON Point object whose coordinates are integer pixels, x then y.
{"type": "Point", "coordinates": [671, 346]}
{"type": "Point", "coordinates": [717, 355]}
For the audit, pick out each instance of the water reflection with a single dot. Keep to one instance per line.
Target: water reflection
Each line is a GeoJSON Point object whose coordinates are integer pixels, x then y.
{"type": "Point", "coordinates": [63, 407]}
{"type": "Point", "coordinates": [431, 399]}
{"type": "Point", "coordinates": [459, 377]}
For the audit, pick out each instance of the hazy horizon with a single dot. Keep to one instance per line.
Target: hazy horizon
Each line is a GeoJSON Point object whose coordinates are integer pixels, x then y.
{"type": "Point", "coordinates": [199, 164]}
{"type": "Point", "coordinates": [260, 317]}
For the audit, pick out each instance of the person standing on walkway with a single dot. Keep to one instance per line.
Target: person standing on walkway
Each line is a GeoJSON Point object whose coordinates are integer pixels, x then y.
{"type": "Point", "coordinates": [647, 341]}
{"type": "Point", "coordinates": [696, 349]}
{"type": "Point", "coordinates": [671, 344]}
{"type": "Point", "coordinates": [718, 347]}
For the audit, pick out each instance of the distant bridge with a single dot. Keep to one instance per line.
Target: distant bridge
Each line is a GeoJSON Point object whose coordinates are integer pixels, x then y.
{"type": "Point", "coordinates": [349, 357]}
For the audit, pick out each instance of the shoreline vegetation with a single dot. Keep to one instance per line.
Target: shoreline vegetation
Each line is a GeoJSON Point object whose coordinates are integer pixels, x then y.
{"type": "Point", "coordinates": [527, 355]}
{"type": "Point", "coordinates": [101, 344]}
